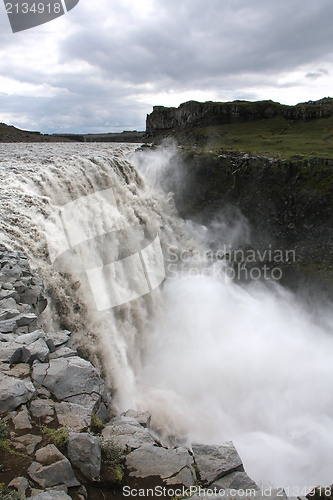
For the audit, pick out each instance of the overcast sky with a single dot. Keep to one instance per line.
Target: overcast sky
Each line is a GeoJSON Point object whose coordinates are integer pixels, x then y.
{"type": "Point", "coordinates": [106, 63]}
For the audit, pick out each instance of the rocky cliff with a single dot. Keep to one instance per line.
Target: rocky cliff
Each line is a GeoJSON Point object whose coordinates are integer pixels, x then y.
{"type": "Point", "coordinates": [195, 113]}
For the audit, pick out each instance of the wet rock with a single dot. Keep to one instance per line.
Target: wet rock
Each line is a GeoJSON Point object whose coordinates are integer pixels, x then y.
{"type": "Point", "coordinates": [84, 452]}
{"type": "Point", "coordinates": [14, 392]}
{"type": "Point", "coordinates": [214, 462]}
{"type": "Point", "coordinates": [174, 466]}
{"type": "Point", "coordinates": [143, 418]}
{"type": "Point", "coordinates": [127, 433]}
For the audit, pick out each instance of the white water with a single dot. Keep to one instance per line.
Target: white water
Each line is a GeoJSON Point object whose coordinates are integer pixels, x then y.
{"type": "Point", "coordinates": [212, 360]}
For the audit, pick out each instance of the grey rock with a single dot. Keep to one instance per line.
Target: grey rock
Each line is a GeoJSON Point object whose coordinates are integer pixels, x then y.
{"type": "Point", "coordinates": [26, 319]}
{"type": "Point", "coordinates": [21, 484]}
{"type": "Point", "coordinates": [9, 294]}
{"type": "Point", "coordinates": [51, 475]}
{"type": "Point", "coordinates": [66, 377]}
{"type": "Point", "coordinates": [14, 392]}
{"type": "Point", "coordinates": [11, 353]}
{"type": "Point", "coordinates": [49, 455]}
{"type": "Point", "coordinates": [30, 441]}
{"type": "Point", "coordinates": [52, 495]}
{"type": "Point", "coordinates": [59, 338]}
{"type": "Point", "coordinates": [74, 416]}
{"type": "Point", "coordinates": [171, 465]}
{"type": "Point", "coordinates": [8, 304]}
{"type": "Point", "coordinates": [127, 433]}
{"type": "Point", "coordinates": [30, 338]}
{"type": "Point", "coordinates": [214, 462]}
{"type": "Point", "coordinates": [8, 326]}
{"type": "Point", "coordinates": [41, 408]}
{"type": "Point", "coordinates": [20, 370]}
{"type": "Point", "coordinates": [63, 352]}
{"type": "Point", "coordinates": [11, 271]}
{"type": "Point", "coordinates": [22, 421]}
{"type": "Point", "coordinates": [8, 314]}
{"type": "Point", "coordinates": [143, 418]}
{"type": "Point", "coordinates": [36, 351]}
{"type": "Point", "coordinates": [235, 481]}
{"type": "Point", "coordinates": [84, 452]}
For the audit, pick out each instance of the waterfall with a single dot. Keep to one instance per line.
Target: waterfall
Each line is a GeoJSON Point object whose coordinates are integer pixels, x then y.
{"type": "Point", "coordinates": [212, 360]}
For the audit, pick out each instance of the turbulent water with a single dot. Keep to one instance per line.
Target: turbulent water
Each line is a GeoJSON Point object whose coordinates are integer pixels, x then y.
{"type": "Point", "coordinates": [210, 359]}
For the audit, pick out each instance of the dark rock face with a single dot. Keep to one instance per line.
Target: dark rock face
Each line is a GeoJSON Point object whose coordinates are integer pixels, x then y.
{"type": "Point", "coordinates": [195, 113]}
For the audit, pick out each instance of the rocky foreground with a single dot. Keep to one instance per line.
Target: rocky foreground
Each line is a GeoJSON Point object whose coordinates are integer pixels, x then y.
{"type": "Point", "coordinates": [58, 438]}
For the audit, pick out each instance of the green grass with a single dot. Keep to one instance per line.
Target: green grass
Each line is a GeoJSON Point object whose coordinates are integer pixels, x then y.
{"type": "Point", "coordinates": [272, 136]}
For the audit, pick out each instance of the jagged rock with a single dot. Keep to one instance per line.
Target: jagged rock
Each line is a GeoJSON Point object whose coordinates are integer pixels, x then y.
{"type": "Point", "coordinates": [174, 466]}
{"type": "Point", "coordinates": [60, 472]}
{"type": "Point", "coordinates": [8, 314]}
{"type": "Point", "coordinates": [43, 393]}
{"type": "Point", "coordinates": [63, 352]}
{"type": "Point", "coordinates": [66, 377]}
{"type": "Point", "coordinates": [26, 319]}
{"type": "Point", "coordinates": [235, 481]}
{"type": "Point", "coordinates": [21, 484]}
{"type": "Point", "coordinates": [84, 452]}
{"type": "Point", "coordinates": [36, 351]}
{"type": "Point", "coordinates": [52, 495]}
{"type": "Point", "coordinates": [8, 326]}
{"type": "Point", "coordinates": [8, 304]}
{"type": "Point", "coordinates": [48, 455]}
{"type": "Point", "coordinates": [14, 392]}
{"type": "Point", "coordinates": [11, 353]}
{"type": "Point", "coordinates": [30, 338]}
{"type": "Point", "coordinates": [59, 338]}
{"type": "Point", "coordinates": [41, 408]}
{"type": "Point", "coordinates": [21, 370]}
{"type": "Point", "coordinates": [143, 418]}
{"type": "Point", "coordinates": [9, 294]}
{"type": "Point", "coordinates": [127, 433]}
{"type": "Point", "coordinates": [30, 441]}
{"type": "Point", "coordinates": [74, 416]}
{"type": "Point", "coordinates": [214, 462]}
{"type": "Point", "coordinates": [22, 421]}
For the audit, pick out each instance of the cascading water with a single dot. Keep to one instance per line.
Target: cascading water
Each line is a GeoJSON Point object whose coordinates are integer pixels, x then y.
{"type": "Point", "coordinates": [212, 360]}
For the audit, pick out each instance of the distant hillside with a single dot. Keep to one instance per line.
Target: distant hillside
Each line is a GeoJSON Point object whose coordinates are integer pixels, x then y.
{"type": "Point", "coordinates": [264, 127]}
{"type": "Point", "coordinates": [8, 133]}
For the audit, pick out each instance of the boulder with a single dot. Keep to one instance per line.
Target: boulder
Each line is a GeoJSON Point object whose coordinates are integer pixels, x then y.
{"type": "Point", "coordinates": [143, 418]}
{"type": "Point", "coordinates": [48, 455]}
{"type": "Point", "coordinates": [8, 326]}
{"type": "Point", "coordinates": [35, 351]}
{"type": "Point", "coordinates": [10, 353]}
{"type": "Point", "coordinates": [42, 408]}
{"type": "Point", "coordinates": [127, 433]}
{"type": "Point", "coordinates": [214, 462]}
{"type": "Point", "coordinates": [84, 452]}
{"type": "Point", "coordinates": [21, 420]}
{"type": "Point", "coordinates": [174, 466]}
{"type": "Point", "coordinates": [66, 377]}
{"type": "Point", "coordinates": [21, 484]}
{"type": "Point", "coordinates": [59, 338]}
{"type": "Point", "coordinates": [14, 392]}
{"type": "Point", "coordinates": [74, 416]}
{"type": "Point", "coordinates": [60, 472]}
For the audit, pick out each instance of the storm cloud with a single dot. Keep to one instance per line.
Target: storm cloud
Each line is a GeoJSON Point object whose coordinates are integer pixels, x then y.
{"type": "Point", "coordinates": [102, 66]}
